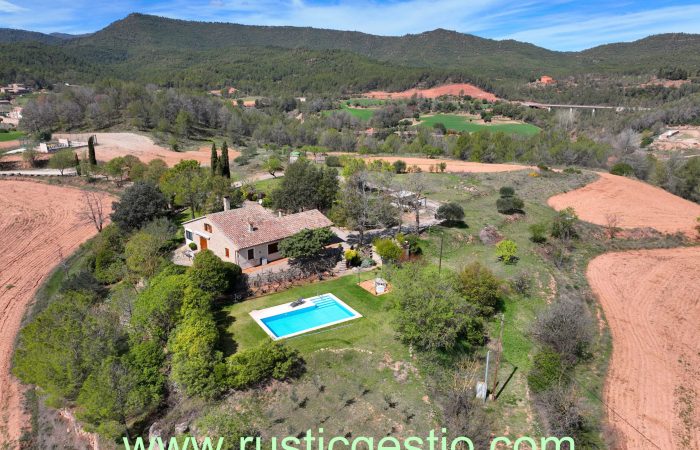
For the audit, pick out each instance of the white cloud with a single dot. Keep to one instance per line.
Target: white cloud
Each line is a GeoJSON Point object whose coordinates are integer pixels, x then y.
{"type": "Point", "coordinates": [8, 7]}
{"type": "Point", "coordinates": [573, 32]}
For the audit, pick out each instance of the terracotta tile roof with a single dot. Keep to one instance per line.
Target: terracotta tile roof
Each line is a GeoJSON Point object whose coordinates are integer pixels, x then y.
{"type": "Point", "coordinates": [267, 227]}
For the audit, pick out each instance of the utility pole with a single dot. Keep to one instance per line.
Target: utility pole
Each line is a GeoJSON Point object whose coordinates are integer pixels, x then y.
{"type": "Point", "coordinates": [486, 376]}
{"type": "Point", "coordinates": [498, 356]}
{"type": "Point", "coordinates": [442, 239]}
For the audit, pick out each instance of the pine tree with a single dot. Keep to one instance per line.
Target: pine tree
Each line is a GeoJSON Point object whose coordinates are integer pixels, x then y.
{"type": "Point", "coordinates": [214, 159]}
{"type": "Point", "coordinates": [225, 169]}
{"type": "Point", "coordinates": [91, 151]}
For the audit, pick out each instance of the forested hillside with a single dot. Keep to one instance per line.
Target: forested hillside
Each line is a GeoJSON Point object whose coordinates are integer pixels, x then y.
{"type": "Point", "coordinates": [258, 59]}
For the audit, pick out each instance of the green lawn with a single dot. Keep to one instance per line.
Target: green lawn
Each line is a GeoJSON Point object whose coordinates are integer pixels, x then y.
{"type": "Point", "coordinates": [372, 331]}
{"type": "Point", "coordinates": [359, 378]}
{"type": "Point", "coordinates": [267, 186]}
{"type": "Point", "coordinates": [360, 113]}
{"type": "Point", "coordinates": [11, 136]}
{"type": "Point", "coordinates": [461, 123]}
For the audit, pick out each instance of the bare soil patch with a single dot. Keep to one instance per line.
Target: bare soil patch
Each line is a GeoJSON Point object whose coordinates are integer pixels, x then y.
{"type": "Point", "coordinates": [637, 205]}
{"type": "Point", "coordinates": [438, 91]}
{"type": "Point", "coordinates": [453, 166]}
{"type": "Point", "coordinates": [368, 285]}
{"type": "Point", "coordinates": [9, 145]}
{"type": "Point", "coordinates": [687, 138]}
{"type": "Point", "coordinates": [112, 145]}
{"type": "Point", "coordinates": [40, 226]}
{"type": "Point", "coordinates": [651, 300]}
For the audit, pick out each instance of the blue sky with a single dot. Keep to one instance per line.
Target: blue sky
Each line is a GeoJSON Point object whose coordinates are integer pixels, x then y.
{"type": "Point", "coordinates": [554, 24]}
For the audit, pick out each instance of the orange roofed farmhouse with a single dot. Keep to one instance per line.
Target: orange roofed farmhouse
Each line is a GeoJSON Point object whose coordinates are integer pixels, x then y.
{"type": "Point", "coordinates": [250, 235]}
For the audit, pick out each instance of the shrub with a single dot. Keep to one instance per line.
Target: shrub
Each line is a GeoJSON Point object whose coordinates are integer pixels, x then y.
{"type": "Point", "coordinates": [352, 258]}
{"type": "Point", "coordinates": [546, 370]}
{"type": "Point", "coordinates": [521, 283]}
{"type": "Point", "coordinates": [388, 249]}
{"type": "Point", "coordinates": [193, 246]}
{"type": "Point", "coordinates": [258, 364]}
{"type": "Point", "coordinates": [538, 233]}
{"type": "Point", "coordinates": [413, 241]}
{"type": "Point", "coordinates": [367, 263]}
{"type": "Point", "coordinates": [572, 170]}
{"type": "Point", "coordinates": [564, 224]}
{"type": "Point", "coordinates": [196, 366]}
{"type": "Point", "coordinates": [622, 169]}
{"type": "Point", "coordinates": [480, 286]}
{"type": "Point", "coordinates": [506, 191]}
{"type": "Point", "coordinates": [440, 127]}
{"type": "Point", "coordinates": [646, 141]}
{"type": "Point", "coordinates": [506, 251]}
{"type": "Point", "coordinates": [333, 161]}
{"type": "Point", "coordinates": [567, 327]}
{"type": "Point", "coordinates": [450, 212]}
{"type": "Point", "coordinates": [210, 274]}
{"type": "Point", "coordinates": [509, 203]}
{"type": "Point", "coordinates": [399, 166]}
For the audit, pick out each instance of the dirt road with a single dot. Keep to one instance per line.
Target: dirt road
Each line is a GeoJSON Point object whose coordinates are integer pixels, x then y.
{"type": "Point", "coordinates": [636, 204]}
{"type": "Point", "coordinates": [39, 226]}
{"type": "Point", "coordinates": [111, 145]}
{"type": "Point", "coordinates": [651, 301]}
{"type": "Point", "coordinates": [453, 166]}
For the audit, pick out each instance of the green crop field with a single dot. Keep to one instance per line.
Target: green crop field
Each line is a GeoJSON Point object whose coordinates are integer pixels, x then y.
{"type": "Point", "coordinates": [461, 123]}
{"type": "Point", "coordinates": [11, 136]}
{"type": "Point", "coordinates": [360, 113]}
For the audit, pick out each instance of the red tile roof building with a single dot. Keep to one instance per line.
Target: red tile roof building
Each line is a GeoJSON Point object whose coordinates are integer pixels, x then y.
{"type": "Point", "coordinates": [249, 235]}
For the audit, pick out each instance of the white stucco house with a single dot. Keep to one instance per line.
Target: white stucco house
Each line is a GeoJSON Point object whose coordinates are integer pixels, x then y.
{"type": "Point", "coordinates": [250, 235]}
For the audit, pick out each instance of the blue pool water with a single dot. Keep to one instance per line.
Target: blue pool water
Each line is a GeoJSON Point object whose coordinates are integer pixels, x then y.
{"type": "Point", "coordinates": [325, 311]}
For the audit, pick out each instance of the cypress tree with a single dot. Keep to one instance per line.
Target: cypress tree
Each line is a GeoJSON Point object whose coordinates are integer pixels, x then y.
{"type": "Point", "coordinates": [225, 169]}
{"type": "Point", "coordinates": [91, 151]}
{"type": "Point", "coordinates": [214, 159]}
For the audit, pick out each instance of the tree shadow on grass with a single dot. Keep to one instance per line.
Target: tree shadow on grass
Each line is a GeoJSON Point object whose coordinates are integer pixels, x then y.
{"type": "Point", "coordinates": [459, 224]}
{"type": "Point", "coordinates": [226, 343]}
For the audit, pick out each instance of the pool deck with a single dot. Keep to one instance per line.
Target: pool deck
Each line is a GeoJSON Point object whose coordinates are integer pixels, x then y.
{"type": "Point", "coordinates": [259, 314]}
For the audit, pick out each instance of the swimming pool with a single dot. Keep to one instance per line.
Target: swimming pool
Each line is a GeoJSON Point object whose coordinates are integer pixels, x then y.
{"type": "Point", "coordinates": [283, 321]}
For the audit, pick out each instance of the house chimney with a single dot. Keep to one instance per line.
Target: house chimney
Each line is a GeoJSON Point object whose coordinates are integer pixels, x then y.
{"type": "Point", "coordinates": [250, 227]}
{"type": "Point", "coordinates": [227, 203]}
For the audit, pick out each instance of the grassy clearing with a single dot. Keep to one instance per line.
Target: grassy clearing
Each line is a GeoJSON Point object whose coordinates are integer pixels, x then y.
{"type": "Point", "coordinates": [360, 113]}
{"type": "Point", "coordinates": [267, 186]}
{"type": "Point", "coordinates": [359, 378]}
{"type": "Point", "coordinates": [462, 123]}
{"type": "Point", "coordinates": [11, 136]}
{"type": "Point", "coordinates": [477, 194]}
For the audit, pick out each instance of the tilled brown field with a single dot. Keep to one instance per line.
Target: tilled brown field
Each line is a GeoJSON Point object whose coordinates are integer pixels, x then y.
{"type": "Point", "coordinates": [453, 166]}
{"type": "Point", "coordinates": [636, 204]}
{"type": "Point", "coordinates": [40, 226]}
{"type": "Point", "coordinates": [112, 145]}
{"type": "Point", "coordinates": [651, 300]}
